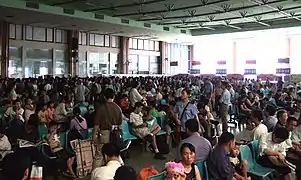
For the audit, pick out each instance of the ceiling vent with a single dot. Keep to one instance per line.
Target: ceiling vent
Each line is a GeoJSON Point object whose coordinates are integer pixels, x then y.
{"type": "Point", "coordinates": [166, 28]}
{"type": "Point", "coordinates": [125, 21]}
{"type": "Point", "coordinates": [147, 25]}
{"type": "Point", "coordinates": [69, 11]}
{"type": "Point", "coordinates": [99, 16]}
{"type": "Point", "coordinates": [32, 5]}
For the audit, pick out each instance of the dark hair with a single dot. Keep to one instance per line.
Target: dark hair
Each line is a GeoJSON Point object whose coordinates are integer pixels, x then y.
{"type": "Point", "coordinates": [110, 149]}
{"type": "Point", "coordinates": [53, 123]}
{"type": "Point", "coordinates": [17, 101]}
{"type": "Point", "coordinates": [281, 133]}
{"type": "Point", "coordinates": [225, 138]}
{"type": "Point", "coordinates": [280, 113]}
{"type": "Point", "coordinates": [125, 172]}
{"type": "Point", "coordinates": [187, 145]}
{"type": "Point", "coordinates": [76, 111]}
{"type": "Point", "coordinates": [138, 104]}
{"type": "Point", "coordinates": [13, 170]}
{"type": "Point", "coordinates": [33, 120]}
{"type": "Point", "coordinates": [192, 125]}
{"type": "Point", "coordinates": [257, 114]}
{"type": "Point", "coordinates": [109, 93]}
{"type": "Point", "coordinates": [271, 110]}
{"type": "Point", "coordinates": [291, 118]}
{"type": "Point", "coordinates": [188, 91]}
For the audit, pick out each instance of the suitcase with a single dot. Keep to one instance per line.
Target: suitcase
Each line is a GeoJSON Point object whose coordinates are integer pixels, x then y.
{"type": "Point", "coordinates": [84, 153]}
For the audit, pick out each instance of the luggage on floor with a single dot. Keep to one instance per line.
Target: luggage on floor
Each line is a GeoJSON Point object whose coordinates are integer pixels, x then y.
{"type": "Point", "coordinates": [84, 153]}
{"type": "Point", "coordinates": [145, 173]}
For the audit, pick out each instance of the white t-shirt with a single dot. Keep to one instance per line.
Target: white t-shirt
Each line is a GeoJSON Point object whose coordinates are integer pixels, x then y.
{"type": "Point", "coordinates": [258, 131]}
{"type": "Point", "coordinates": [136, 119]}
{"type": "Point", "coordinates": [134, 96]}
{"type": "Point", "coordinates": [266, 142]}
{"type": "Point", "coordinates": [11, 113]}
{"type": "Point", "coordinates": [105, 172]}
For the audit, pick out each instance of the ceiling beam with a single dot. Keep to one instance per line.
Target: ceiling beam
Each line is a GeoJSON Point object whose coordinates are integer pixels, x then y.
{"type": "Point", "coordinates": [124, 5]}
{"type": "Point", "coordinates": [211, 13]}
{"type": "Point", "coordinates": [67, 2]}
{"type": "Point", "coordinates": [172, 10]}
{"type": "Point", "coordinates": [231, 18]}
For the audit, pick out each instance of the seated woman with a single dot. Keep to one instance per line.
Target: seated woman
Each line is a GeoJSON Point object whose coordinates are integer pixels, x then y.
{"type": "Point", "coordinates": [191, 171]}
{"type": "Point", "coordinates": [55, 146]}
{"type": "Point", "coordinates": [78, 122]}
{"type": "Point", "coordinates": [174, 171]}
{"type": "Point", "coordinates": [141, 129]}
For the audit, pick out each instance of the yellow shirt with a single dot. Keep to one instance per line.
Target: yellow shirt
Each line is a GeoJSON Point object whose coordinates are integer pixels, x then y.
{"type": "Point", "coordinates": [43, 115]}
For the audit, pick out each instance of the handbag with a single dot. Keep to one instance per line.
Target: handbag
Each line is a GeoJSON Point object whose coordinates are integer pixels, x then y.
{"type": "Point", "coordinates": [36, 172]}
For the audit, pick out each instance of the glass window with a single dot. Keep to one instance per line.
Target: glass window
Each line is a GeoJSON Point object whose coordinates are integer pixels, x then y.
{"type": "Point", "coordinates": [49, 35]}
{"type": "Point", "coordinates": [28, 33]}
{"type": "Point", "coordinates": [98, 63]}
{"type": "Point", "coordinates": [39, 34]}
{"type": "Point", "coordinates": [154, 65]}
{"type": "Point", "coordinates": [133, 64]}
{"type": "Point", "coordinates": [12, 31]}
{"type": "Point", "coordinates": [38, 62]}
{"type": "Point", "coordinates": [58, 36]}
{"type": "Point", "coordinates": [130, 43]}
{"type": "Point", "coordinates": [64, 37]}
{"type": "Point", "coordinates": [113, 63]}
{"type": "Point", "coordinates": [156, 45]}
{"type": "Point", "coordinates": [135, 43]}
{"type": "Point", "coordinates": [80, 38]}
{"type": "Point", "coordinates": [151, 45]}
{"type": "Point", "coordinates": [114, 41]}
{"type": "Point", "coordinates": [140, 43]}
{"type": "Point", "coordinates": [143, 64]}
{"type": "Point", "coordinates": [146, 45]}
{"type": "Point", "coordinates": [61, 62]}
{"type": "Point", "coordinates": [84, 38]}
{"type": "Point", "coordinates": [92, 39]}
{"type": "Point", "coordinates": [15, 62]}
{"type": "Point", "coordinates": [82, 64]}
{"type": "Point", "coordinates": [19, 32]}
{"type": "Point", "coordinates": [99, 40]}
{"type": "Point", "coordinates": [107, 40]}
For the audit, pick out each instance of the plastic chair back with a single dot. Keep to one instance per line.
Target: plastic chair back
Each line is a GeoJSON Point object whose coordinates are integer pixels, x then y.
{"type": "Point", "coordinates": [246, 154]}
{"type": "Point", "coordinates": [160, 176]}
{"type": "Point", "coordinates": [201, 167]}
{"type": "Point", "coordinates": [63, 138]}
{"type": "Point", "coordinates": [42, 130]}
{"type": "Point", "coordinates": [126, 131]}
{"type": "Point", "coordinates": [83, 109]}
{"type": "Point", "coordinates": [255, 148]}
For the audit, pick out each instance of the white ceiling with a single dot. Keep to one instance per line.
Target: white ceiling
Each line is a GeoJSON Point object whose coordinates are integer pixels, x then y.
{"type": "Point", "coordinates": [34, 18]}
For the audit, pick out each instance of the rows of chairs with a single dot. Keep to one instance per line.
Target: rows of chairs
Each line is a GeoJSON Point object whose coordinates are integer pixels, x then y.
{"type": "Point", "coordinates": [247, 152]}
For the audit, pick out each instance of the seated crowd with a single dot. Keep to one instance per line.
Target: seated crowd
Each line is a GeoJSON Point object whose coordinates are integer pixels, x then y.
{"type": "Point", "coordinates": [184, 108]}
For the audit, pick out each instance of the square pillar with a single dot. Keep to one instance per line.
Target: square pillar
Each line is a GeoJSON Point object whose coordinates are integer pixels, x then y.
{"type": "Point", "coordinates": [123, 62]}
{"type": "Point", "coordinates": [4, 48]}
{"type": "Point", "coordinates": [72, 40]}
{"type": "Point", "coordinates": [162, 66]}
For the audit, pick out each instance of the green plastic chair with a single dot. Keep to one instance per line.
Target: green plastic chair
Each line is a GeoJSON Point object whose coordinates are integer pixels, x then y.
{"type": "Point", "coordinates": [126, 131]}
{"type": "Point", "coordinates": [160, 176]}
{"type": "Point", "coordinates": [42, 131]}
{"type": "Point", "coordinates": [203, 169]}
{"type": "Point", "coordinates": [206, 170]}
{"type": "Point", "coordinates": [254, 169]}
{"type": "Point", "coordinates": [63, 139]}
{"type": "Point", "coordinates": [255, 148]}
{"type": "Point", "coordinates": [83, 109]}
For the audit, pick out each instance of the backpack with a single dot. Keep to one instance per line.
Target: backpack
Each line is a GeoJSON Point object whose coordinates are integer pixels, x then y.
{"type": "Point", "coordinates": [145, 173]}
{"type": "Point", "coordinates": [116, 137]}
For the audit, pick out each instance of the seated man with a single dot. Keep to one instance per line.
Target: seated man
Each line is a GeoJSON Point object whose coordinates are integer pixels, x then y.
{"type": "Point", "coordinates": [111, 154]}
{"type": "Point", "coordinates": [273, 151]}
{"type": "Point", "coordinates": [219, 165]}
{"type": "Point", "coordinates": [5, 146]}
{"type": "Point", "coordinates": [202, 145]}
{"type": "Point", "coordinates": [13, 170]}
{"type": "Point", "coordinates": [142, 131]}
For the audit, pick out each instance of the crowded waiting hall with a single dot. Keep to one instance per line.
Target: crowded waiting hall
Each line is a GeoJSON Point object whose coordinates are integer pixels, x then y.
{"type": "Point", "coordinates": [150, 90]}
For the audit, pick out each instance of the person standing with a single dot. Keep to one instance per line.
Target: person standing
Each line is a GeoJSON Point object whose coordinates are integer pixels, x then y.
{"type": "Point", "coordinates": [107, 115]}
{"type": "Point", "coordinates": [185, 110]}
{"type": "Point", "coordinates": [224, 104]}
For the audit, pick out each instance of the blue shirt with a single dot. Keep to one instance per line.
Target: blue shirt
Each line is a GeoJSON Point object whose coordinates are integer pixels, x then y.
{"type": "Point", "coordinates": [219, 165]}
{"type": "Point", "coordinates": [190, 112]}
